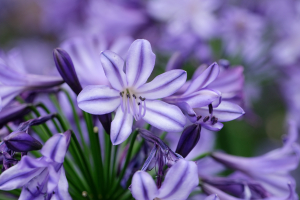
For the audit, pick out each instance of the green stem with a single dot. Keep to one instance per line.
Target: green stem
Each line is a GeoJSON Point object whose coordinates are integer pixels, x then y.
{"type": "Point", "coordinates": [107, 159]}
{"type": "Point", "coordinates": [201, 156]}
{"type": "Point", "coordinates": [41, 105]}
{"type": "Point", "coordinates": [8, 128]}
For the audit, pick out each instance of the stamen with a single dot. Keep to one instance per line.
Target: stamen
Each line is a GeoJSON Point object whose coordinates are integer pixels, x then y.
{"type": "Point", "coordinates": [122, 104]}
{"type": "Point", "coordinates": [206, 119]}
{"type": "Point", "coordinates": [134, 96]}
{"type": "Point", "coordinates": [210, 108]}
{"type": "Point", "coordinates": [199, 117]}
{"type": "Point", "coordinates": [144, 109]}
{"type": "Point", "coordinates": [214, 120]}
{"type": "Point", "coordinates": [121, 94]}
{"type": "Point", "coordinates": [128, 104]}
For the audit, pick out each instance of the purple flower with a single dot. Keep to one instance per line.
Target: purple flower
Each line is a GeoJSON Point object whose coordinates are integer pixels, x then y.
{"type": "Point", "coordinates": [42, 177]}
{"type": "Point", "coordinates": [131, 95]}
{"type": "Point", "coordinates": [13, 112]}
{"type": "Point", "coordinates": [14, 83]}
{"type": "Point", "coordinates": [85, 51]}
{"type": "Point", "coordinates": [202, 105]}
{"type": "Point", "coordinates": [20, 141]}
{"type": "Point", "coordinates": [271, 170]}
{"type": "Point", "coordinates": [180, 181]}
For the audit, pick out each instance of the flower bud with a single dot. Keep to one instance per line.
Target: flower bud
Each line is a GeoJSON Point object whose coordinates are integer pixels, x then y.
{"type": "Point", "coordinates": [66, 69]}
{"type": "Point", "coordinates": [37, 121]}
{"type": "Point", "coordinates": [188, 140]}
{"type": "Point", "coordinates": [22, 142]}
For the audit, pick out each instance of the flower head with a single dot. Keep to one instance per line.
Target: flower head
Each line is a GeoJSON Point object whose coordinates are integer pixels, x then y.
{"type": "Point", "coordinates": [131, 95]}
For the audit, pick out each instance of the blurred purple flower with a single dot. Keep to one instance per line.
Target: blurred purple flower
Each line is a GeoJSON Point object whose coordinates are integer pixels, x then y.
{"type": "Point", "coordinates": [84, 52]}
{"type": "Point", "coordinates": [13, 83]}
{"type": "Point", "coordinates": [180, 181]}
{"type": "Point", "coordinates": [131, 96]}
{"type": "Point", "coordinates": [270, 170]}
{"type": "Point", "coordinates": [42, 177]}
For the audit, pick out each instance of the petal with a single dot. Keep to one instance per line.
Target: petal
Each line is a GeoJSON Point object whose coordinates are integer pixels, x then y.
{"type": "Point", "coordinates": [213, 190]}
{"type": "Point", "coordinates": [121, 127]}
{"type": "Point", "coordinates": [54, 177]}
{"type": "Point", "coordinates": [22, 142]}
{"type": "Point", "coordinates": [62, 189]}
{"type": "Point", "coordinates": [180, 181]}
{"type": "Point", "coordinates": [163, 85]}
{"type": "Point", "coordinates": [56, 148]}
{"type": "Point", "coordinates": [201, 98]}
{"type": "Point", "coordinates": [143, 186]}
{"type": "Point", "coordinates": [212, 127]}
{"type": "Point", "coordinates": [164, 116]}
{"type": "Point", "coordinates": [15, 177]}
{"type": "Point", "coordinates": [212, 197]}
{"type": "Point", "coordinates": [98, 99]}
{"type": "Point", "coordinates": [84, 52]}
{"type": "Point", "coordinates": [226, 111]}
{"type": "Point", "coordinates": [188, 111]}
{"type": "Point", "coordinates": [139, 63]}
{"type": "Point", "coordinates": [113, 68]}
{"type": "Point", "coordinates": [204, 79]}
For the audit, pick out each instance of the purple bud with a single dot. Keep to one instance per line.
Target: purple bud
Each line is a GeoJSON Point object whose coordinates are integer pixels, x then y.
{"type": "Point", "coordinates": [224, 63]}
{"type": "Point", "coordinates": [22, 142]}
{"type": "Point", "coordinates": [37, 121]}
{"type": "Point", "coordinates": [188, 140]}
{"type": "Point", "coordinates": [175, 62]}
{"type": "Point", "coordinates": [12, 113]}
{"type": "Point", "coordinates": [66, 69]}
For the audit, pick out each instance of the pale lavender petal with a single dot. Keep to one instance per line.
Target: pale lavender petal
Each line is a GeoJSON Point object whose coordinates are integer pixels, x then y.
{"type": "Point", "coordinates": [180, 181]}
{"type": "Point", "coordinates": [143, 186]}
{"type": "Point", "coordinates": [0, 103]}
{"type": "Point", "coordinates": [113, 68]}
{"type": "Point", "coordinates": [213, 190]}
{"type": "Point", "coordinates": [164, 116]}
{"type": "Point", "coordinates": [62, 188]}
{"type": "Point", "coordinates": [201, 98]}
{"type": "Point", "coordinates": [121, 127]}
{"type": "Point", "coordinates": [15, 177]}
{"type": "Point", "coordinates": [226, 111]}
{"type": "Point", "coordinates": [98, 99]}
{"type": "Point", "coordinates": [163, 85]}
{"type": "Point", "coordinates": [36, 188]}
{"type": "Point", "coordinates": [212, 197]}
{"type": "Point", "coordinates": [139, 63]}
{"type": "Point", "coordinates": [187, 110]}
{"type": "Point", "coordinates": [28, 162]}
{"type": "Point", "coordinates": [53, 180]}
{"type": "Point", "coordinates": [204, 79]}
{"type": "Point", "coordinates": [56, 148]}
{"type": "Point", "coordinates": [8, 93]}
{"type": "Point", "coordinates": [212, 127]}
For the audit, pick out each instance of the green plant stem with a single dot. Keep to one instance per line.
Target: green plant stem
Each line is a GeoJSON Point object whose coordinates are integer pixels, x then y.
{"type": "Point", "coordinates": [107, 159]}
{"type": "Point", "coordinates": [201, 156]}
{"type": "Point", "coordinates": [8, 128]}
{"type": "Point", "coordinates": [41, 105]}
{"type": "Point", "coordinates": [134, 135]}
{"type": "Point", "coordinates": [54, 100]}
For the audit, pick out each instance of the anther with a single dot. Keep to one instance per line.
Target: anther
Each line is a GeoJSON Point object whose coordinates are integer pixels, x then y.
{"type": "Point", "coordinates": [139, 103]}
{"type": "Point", "coordinates": [206, 119]}
{"type": "Point", "coordinates": [142, 99]}
{"type": "Point", "coordinates": [128, 95]}
{"type": "Point", "coordinates": [214, 120]}
{"type": "Point", "coordinates": [210, 108]}
{"type": "Point", "coordinates": [199, 117]}
{"type": "Point", "coordinates": [121, 94]}
{"type": "Point", "coordinates": [134, 96]}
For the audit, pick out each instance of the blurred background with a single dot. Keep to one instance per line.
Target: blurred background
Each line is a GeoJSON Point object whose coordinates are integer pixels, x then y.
{"type": "Point", "coordinates": [263, 36]}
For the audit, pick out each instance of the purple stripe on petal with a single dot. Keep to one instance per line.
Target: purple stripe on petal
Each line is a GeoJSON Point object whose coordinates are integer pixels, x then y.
{"type": "Point", "coordinates": [164, 116]}
{"type": "Point", "coordinates": [204, 79]}
{"type": "Point", "coordinates": [143, 186]}
{"type": "Point", "coordinates": [188, 111]}
{"type": "Point", "coordinates": [121, 127]}
{"type": "Point", "coordinates": [98, 99]}
{"type": "Point", "coordinates": [163, 85]}
{"type": "Point", "coordinates": [212, 127]}
{"type": "Point", "coordinates": [113, 68]}
{"type": "Point", "coordinates": [139, 63]}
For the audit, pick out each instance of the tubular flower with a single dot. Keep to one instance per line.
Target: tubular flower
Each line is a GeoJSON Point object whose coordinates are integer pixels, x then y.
{"type": "Point", "coordinates": [131, 95]}
{"type": "Point", "coordinates": [180, 181]}
{"type": "Point", "coordinates": [41, 178]}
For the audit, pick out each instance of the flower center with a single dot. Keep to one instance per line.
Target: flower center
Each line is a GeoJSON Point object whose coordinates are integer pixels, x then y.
{"type": "Point", "coordinates": [130, 103]}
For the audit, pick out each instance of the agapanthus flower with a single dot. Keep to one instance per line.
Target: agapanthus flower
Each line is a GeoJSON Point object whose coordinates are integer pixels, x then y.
{"type": "Point", "coordinates": [131, 95]}
{"type": "Point", "coordinates": [270, 170]}
{"type": "Point", "coordinates": [202, 105]}
{"type": "Point", "coordinates": [41, 178]}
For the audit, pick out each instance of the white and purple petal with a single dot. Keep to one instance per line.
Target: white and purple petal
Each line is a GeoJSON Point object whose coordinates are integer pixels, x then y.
{"type": "Point", "coordinates": [121, 127]}
{"type": "Point", "coordinates": [204, 79]}
{"type": "Point", "coordinates": [139, 63]}
{"type": "Point", "coordinates": [113, 69]}
{"type": "Point", "coordinates": [180, 181]}
{"type": "Point", "coordinates": [164, 116]}
{"type": "Point", "coordinates": [98, 99]}
{"type": "Point", "coordinates": [143, 186]}
{"type": "Point", "coordinates": [163, 85]}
